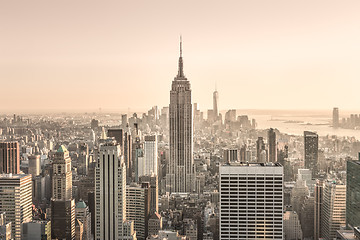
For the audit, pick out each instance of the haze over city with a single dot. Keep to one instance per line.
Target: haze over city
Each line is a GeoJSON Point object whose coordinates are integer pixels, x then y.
{"type": "Point", "coordinates": [116, 55]}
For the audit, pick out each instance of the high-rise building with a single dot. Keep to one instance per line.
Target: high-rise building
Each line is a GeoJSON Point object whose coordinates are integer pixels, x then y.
{"type": "Point", "coordinates": [16, 200]}
{"type": "Point", "coordinates": [353, 194]}
{"type": "Point", "coordinates": [9, 157]}
{"type": "Point", "coordinates": [292, 227]}
{"type": "Point", "coordinates": [154, 191]}
{"type": "Point", "coordinates": [34, 165]}
{"type": "Point", "coordinates": [62, 203]}
{"type": "Point", "coordinates": [181, 176]}
{"type": "Point", "coordinates": [110, 192]}
{"type": "Point", "coordinates": [5, 227]}
{"type": "Point", "coordinates": [151, 155]}
{"type": "Point", "coordinates": [154, 224]}
{"type": "Point", "coordinates": [272, 145]}
{"type": "Point", "coordinates": [83, 215]}
{"type": "Point", "coordinates": [335, 117]}
{"type": "Point", "coordinates": [251, 201]}
{"type": "Point", "coordinates": [138, 158]}
{"type": "Point", "coordinates": [231, 155]}
{"type": "Point", "coordinates": [137, 200]}
{"type": "Point", "coordinates": [311, 142]}
{"type": "Point", "coordinates": [260, 146]}
{"type": "Point", "coordinates": [116, 133]}
{"type": "Point", "coordinates": [216, 105]}
{"type": "Point", "coordinates": [333, 209]}
{"type": "Point", "coordinates": [318, 201]}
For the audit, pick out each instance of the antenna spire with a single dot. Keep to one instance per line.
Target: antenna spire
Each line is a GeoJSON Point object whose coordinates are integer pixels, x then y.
{"type": "Point", "coordinates": [181, 68]}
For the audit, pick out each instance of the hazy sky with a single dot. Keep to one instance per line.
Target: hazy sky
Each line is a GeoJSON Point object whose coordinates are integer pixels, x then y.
{"type": "Point", "coordinates": [66, 54]}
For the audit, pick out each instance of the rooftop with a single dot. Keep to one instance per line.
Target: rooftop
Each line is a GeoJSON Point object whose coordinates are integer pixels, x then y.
{"type": "Point", "coordinates": [62, 148]}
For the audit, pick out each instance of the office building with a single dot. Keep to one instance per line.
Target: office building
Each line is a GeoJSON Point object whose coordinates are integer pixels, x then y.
{"type": "Point", "coordinates": [5, 227]}
{"type": "Point", "coordinates": [82, 214]}
{"type": "Point", "coordinates": [36, 229]}
{"type": "Point", "coordinates": [333, 209]}
{"type": "Point", "coordinates": [311, 142]}
{"type": "Point", "coordinates": [110, 192]}
{"type": "Point", "coordinates": [154, 224]}
{"type": "Point", "coordinates": [353, 194]}
{"type": "Point", "coordinates": [16, 200]}
{"type": "Point", "coordinates": [9, 157]}
{"type": "Point", "coordinates": [272, 145]}
{"type": "Point", "coordinates": [292, 227]}
{"type": "Point", "coordinates": [260, 148]}
{"type": "Point", "coordinates": [251, 201]}
{"type": "Point", "coordinates": [215, 105]}
{"type": "Point", "coordinates": [34, 165]}
{"type": "Point", "coordinates": [62, 203]}
{"type": "Point", "coordinates": [151, 155]}
{"type": "Point", "coordinates": [180, 176]}
{"type": "Point", "coordinates": [154, 191]}
{"type": "Point", "coordinates": [231, 155]}
{"type": "Point", "coordinates": [318, 201]}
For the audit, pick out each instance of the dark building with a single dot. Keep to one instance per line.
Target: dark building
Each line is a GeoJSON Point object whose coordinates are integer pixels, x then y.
{"type": "Point", "coordinates": [318, 201]}
{"type": "Point", "coordinates": [94, 124]}
{"type": "Point", "coordinates": [353, 194]}
{"type": "Point", "coordinates": [272, 145]}
{"type": "Point", "coordinates": [63, 219]}
{"type": "Point", "coordinates": [260, 145]}
{"type": "Point", "coordinates": [311, 145]}
{"type": "Point", "coordinates": [9, 157]}
{"type": "Point", "coordinates": [117, 134]}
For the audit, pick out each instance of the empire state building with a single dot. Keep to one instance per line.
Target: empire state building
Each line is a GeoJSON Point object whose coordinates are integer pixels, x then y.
{"type": "Point", "coordinates": [180, 176]}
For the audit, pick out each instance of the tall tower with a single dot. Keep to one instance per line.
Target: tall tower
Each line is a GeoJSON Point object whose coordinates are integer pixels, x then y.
{"type": "Point", "coordinates": [62, 204]}
{"type": "Point", "coordinates": [110, 193]}
{"type": "Point", "coordinates": [311, 142]}
{"type": "Point", "coordinates": [215, 104]}
{"type": "Point", "coordinates": [181, 176]}
{"type": "Point", "coordinates": [335, 117]}
{"type": "Point", "coordinates": [272, 145]}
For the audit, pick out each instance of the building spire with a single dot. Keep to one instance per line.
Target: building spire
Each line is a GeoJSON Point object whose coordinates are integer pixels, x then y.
{"type": "Point", "coordinates": [181, 67]}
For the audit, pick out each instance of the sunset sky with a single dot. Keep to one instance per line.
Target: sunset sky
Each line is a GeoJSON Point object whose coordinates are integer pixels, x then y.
{"type": "Point", "coordinates": [269, 54]}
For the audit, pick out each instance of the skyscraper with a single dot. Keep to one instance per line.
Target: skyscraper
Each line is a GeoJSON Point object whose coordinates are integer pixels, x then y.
{"type": "Point", "coordinates": [333, 209]}
{"type": "Point", "coordinates": [272, 145]}
{"type": "Point", "coordinates": [62, 203]}
{"type": "Point", "coordinates": [215, 105]}
{"type": "Point", "coordinates": [151, 155]}
{"type": "Point", "coordinates": [353, 194]}
{"type": "Point", "coordinates": [260, 146]}
{"type": "Point", "coordinates": [311, 141]}
{"type": "Point", "coordinates": [9, 157]}
{"type": "Point", "coordinates": [110, 192]}
{"type": "Point", "coordinates": [251, 201]}
{"type": "Point", "coordinates": [16, 200]}
{"type": "Point", "coordinates": [335, 117]}
{"type": "Point", "coordinates": [181, 177]}
{"type": "Point", "coordinates": [154, 191]}
{"type": "Point", "coordinates": [318, 201]}
{"type": "Point", "coordinates": [34, 165]}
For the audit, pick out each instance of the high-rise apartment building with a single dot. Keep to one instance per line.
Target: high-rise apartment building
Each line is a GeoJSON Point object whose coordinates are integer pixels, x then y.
{"type": "Point", "coordinates": [62, 203]}
{"type": "Point", "coordinates": [333, 209]}
{"type": "Point", "coordinates": [181, 176]}
{"type": "Point", "coordinates": [272, 145]}
{"type": "Point", "coordinates": [311, 142]}
{"type": "Point", "coordinates": [16, 200]}
{"type": "Point", "coordinates": [353, 194]}
{"type": "Point", "coordinates": [9, 157]}
{"type": "Point", "coordinates": [251, 201]}
{"type": "Point", "coordinates": [110, 193]}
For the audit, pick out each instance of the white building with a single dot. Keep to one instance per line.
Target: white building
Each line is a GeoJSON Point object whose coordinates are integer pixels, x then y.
{"type": "Point", "coordinates": [151, 155]}
{"type": "Point", "coordinates": [251, 201]}
{"type": "Point", "coordinates": [16, 200]}
{"type": "Point", "coordinates": [110, 192]}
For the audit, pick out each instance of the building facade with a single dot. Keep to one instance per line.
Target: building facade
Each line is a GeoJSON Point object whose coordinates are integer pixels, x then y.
{"type": "Point", "coordinates": [251, 201]}
{"type": "Point", "coordinates": [9, 157]}
{"type": "Point", "coordinates": [311, 145]}
{"type": "Point", "coordinates": [353, 194]}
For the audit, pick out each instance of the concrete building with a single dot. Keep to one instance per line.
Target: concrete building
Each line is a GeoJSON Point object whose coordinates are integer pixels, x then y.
{"type": "Point", "coordinates": [151, 155]}
{"type": "Point", "coordinates": [335, 120]}
{"type": "Point", "coordinates": [292, 227]}
{"type": "Point", "coordinates": [247, 193]}
{"type": "Point", "coordinates": [154, 192]}
{"type": "Point", "coordinates": [83, 215]}
{"type": "Point", "coordinates": [62, 203]}
{"type": "Point", "coordinates": [231, 155]}
{"type": "Point", "coordinates": [34, 165]}
{"type": "Point", "coordinates": [110, 192]}
{"type": "Point", "coordinates": [333, 209]}
{"type": "Point", "coordinates": [272, 146]}
{"type": "Point", "coordinates": [16, 200]}
{"type": "Point", "coordinates": [5, 228]}
{"type": "Point", "coordinates": [180, 175]}
{"type": "Point", "coordinates": [9, 157]}
{"type": "Point", "coordinates": [318, 201]}
{"type": "Point", "coordinates": [36, 229]}
{"type": "Point", "coordinates": [154, 224]}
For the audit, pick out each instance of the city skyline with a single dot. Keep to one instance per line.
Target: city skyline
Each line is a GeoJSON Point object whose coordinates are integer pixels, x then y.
{"type": "Point", "coordinates": [249, 49]}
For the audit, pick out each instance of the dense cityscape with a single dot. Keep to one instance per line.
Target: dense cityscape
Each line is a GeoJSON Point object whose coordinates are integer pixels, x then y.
{"type": "Point", "coordinates": [172, 173]}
